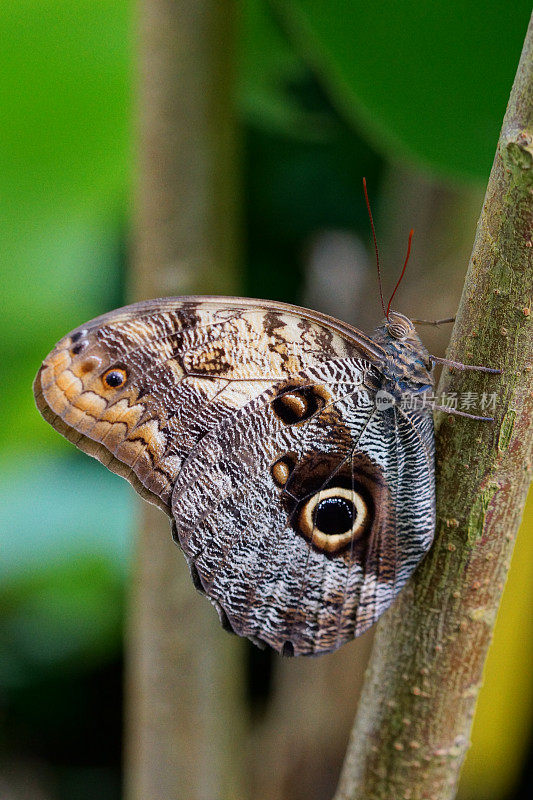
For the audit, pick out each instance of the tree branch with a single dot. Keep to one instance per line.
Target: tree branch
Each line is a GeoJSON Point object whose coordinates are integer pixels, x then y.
{"type": "Point", "coordinates": [412, 729]}
{"type": "Point", "coordinates": [185, 690]}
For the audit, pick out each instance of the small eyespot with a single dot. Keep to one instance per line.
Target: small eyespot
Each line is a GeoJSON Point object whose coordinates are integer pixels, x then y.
{"type": "Point", "coordinates": [90, 364]}
{"type": "Point", "coordinates": [282, 468]}
{"type": "Point", "coordinates": [115, 377]}
{"type": "Point", "coordinates": [78, 345]}
{"type": "Point", "coordinates": [298, 404]}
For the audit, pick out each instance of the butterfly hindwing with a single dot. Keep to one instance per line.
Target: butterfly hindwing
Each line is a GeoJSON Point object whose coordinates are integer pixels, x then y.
{"type": "Point", "coordinates": [276, 580]}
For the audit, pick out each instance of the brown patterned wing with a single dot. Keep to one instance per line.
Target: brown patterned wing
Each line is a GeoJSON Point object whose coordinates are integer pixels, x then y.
{"type": "Point", "coordinates": [138, 387]}
{"type": "Point", "coordinates": [253, 425]}
{"type": "Point", "coordinates": [304, 514]}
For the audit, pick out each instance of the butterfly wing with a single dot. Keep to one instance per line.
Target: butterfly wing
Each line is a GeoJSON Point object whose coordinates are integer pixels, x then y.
{"type": "Point", "coordinates": [251, 513]}
{"type": "Point", "coordinates": [249, 422]}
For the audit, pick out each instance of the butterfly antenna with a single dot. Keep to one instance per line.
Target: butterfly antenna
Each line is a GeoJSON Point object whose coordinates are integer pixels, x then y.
{"type": "Point", "coordinates": [403, 271]}
{"type": "Point", "coordinates": [375, 246]}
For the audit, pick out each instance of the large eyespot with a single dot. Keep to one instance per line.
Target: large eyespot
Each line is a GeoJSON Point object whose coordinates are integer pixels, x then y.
{"type": "Point", "coordinates": [333, 517]}
{"type": "Point", "coordinates": [299, 403]}
{"type": "Point", "coordinates": [115, 378]}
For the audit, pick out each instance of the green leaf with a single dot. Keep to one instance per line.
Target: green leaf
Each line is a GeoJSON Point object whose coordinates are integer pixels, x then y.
{"type": "Point", "coordinates": [64, 173]}
{"type": "Point", "coordinates": [426, 82]}
{"type": "Point", "coordinates": [268, 71]}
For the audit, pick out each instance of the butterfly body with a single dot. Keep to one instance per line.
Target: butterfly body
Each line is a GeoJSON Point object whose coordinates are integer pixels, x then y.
{"type": "Point", "coordinates": [301, 505]}
{"type": "Point", "coordinates": [407, 367]}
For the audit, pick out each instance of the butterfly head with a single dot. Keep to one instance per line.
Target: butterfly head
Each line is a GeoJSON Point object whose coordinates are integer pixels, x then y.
{"type": "Point", "coordinates": [397, 333]}
{"type": "Point", "coordinates": [400, 327]}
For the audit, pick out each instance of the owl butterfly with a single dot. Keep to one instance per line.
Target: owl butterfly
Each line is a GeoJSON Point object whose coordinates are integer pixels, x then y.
{"type": "Point", "coordinates": [301, 503]}
{"type": "Point", "coordinates": [300, 490]}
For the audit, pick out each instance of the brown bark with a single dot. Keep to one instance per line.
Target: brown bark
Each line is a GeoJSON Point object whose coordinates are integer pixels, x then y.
{"type": "Point", "coordinates": [185, 710]}
{"type": "Point", "coordinates": [412, 728]}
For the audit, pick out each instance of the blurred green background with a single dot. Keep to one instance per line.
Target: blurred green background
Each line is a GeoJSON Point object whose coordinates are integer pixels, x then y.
{"type": "Point", "coordinates": [326, 93]}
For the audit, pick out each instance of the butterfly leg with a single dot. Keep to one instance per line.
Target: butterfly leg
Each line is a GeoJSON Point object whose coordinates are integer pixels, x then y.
{"type": "Point", "coordinates": [449, 410]}
{"type": "Point", "coordinates": [457, 365]}
{"type": "Point", "coordinates": [433, 321]}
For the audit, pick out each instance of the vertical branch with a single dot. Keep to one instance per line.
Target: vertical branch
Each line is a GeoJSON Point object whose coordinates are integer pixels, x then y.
{"type": "Point", "coordinates": [412, 729]}
{"type": "Point", "coordinates": [184, 721]}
